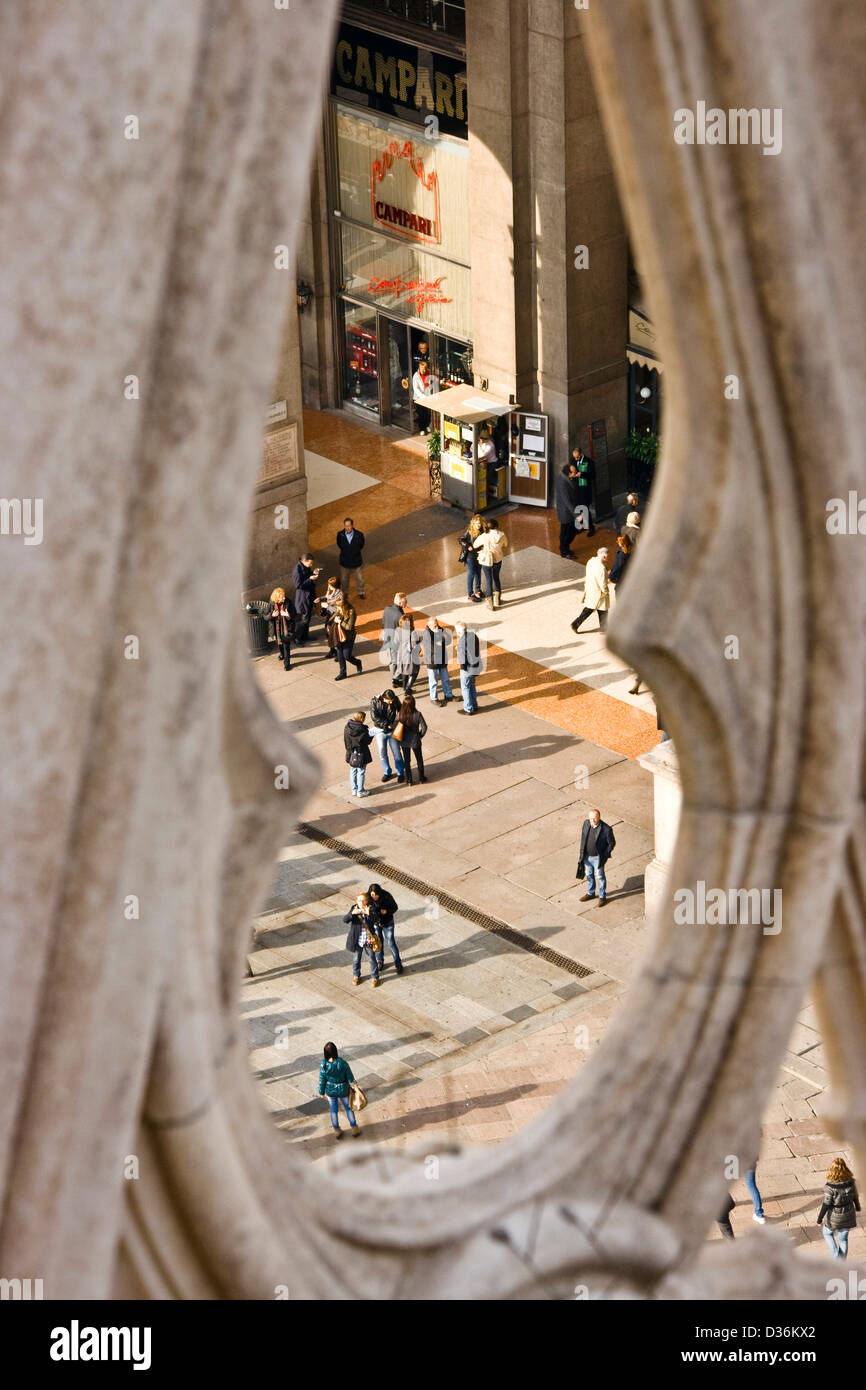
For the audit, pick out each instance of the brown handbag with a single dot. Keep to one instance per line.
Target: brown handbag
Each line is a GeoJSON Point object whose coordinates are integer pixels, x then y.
{"type": "Point", "coordinates": [357, 1098]}
{"type": "Point", "coordinates": [397, 731]}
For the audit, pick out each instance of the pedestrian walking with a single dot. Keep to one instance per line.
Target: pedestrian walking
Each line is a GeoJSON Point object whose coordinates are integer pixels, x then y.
{"type": "Point", "coordinates": [390, 618]}
{"type": "Point", "coordinates": [752, 1189]}
{"type": "Point", "coordinates": [304, 577]}
{"type": "Point", "coordinates": [407, 653]}
{"type": "Point", "coordinates": [565, 490]}
{"type": "Point", "coordinates": [350, 544]}
{"type": "Point", "coordinates": [384, 712]}
{"type": "Point", "coordinates": [363, 937]}
{"type": "Point", "coordinates": [410, 730]}
{"type": "Point", "coordinates": [597, 843]}
{"type": "Point", "coordinates": [596, 591]}
{"type": "Point", "coordinates": [385, 907]}
{"type": "Point", "coordinates": [345, 621]}
{"type": "Point", "coordinates": [838, 1214]}
{"type": "Point", "coordinates": [491, 547]}
{"type": "Point", "coordinates": [624, 552]}
{"type": "Point", "coordinates": [469, 556]}
{"type": "Point", "coordinates": [335, 1077]}
{"type": "Point", "coordinates": [435, 648]}
{"type": "Point", "coordinates": [469, 660]}
{"type": "Point", "coordinates": [331, 600]}
{"type": "Point", "coordinates": [282, 626]}
{"type": "Point", "coordinates": [585, 467]}
{"type": "Point", "coordinates": [632, 527]}
{"type": "Point", "coordinates": [631, 504]}
{"type": "Point", "coordinates": [357, 739]}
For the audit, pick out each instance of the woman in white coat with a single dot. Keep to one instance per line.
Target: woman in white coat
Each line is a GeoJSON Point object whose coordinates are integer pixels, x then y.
{"type": "Point", "coordinates": [491, 547]}
{"type": "Point", "coordinates": [596, 591]}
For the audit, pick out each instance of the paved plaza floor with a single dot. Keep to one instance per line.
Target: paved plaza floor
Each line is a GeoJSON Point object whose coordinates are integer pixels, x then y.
{"type": "Point", "coordinates": [486, 1025]}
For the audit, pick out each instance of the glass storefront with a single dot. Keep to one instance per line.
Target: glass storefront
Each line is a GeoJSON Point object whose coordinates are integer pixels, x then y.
{"type": "Point", "coordinates": [402, 238]}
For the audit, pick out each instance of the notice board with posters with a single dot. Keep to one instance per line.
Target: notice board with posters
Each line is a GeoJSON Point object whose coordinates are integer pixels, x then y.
{"type": "Point", "coordinates": [528, 458]}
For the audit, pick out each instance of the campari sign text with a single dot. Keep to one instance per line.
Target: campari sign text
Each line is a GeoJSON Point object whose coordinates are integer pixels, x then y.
{"type": "Point", "coordinates": [403, 196]}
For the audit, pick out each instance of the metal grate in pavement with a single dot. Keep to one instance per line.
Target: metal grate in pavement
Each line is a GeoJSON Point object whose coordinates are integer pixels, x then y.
{"type": "Point", "coordinates": [449, 903]}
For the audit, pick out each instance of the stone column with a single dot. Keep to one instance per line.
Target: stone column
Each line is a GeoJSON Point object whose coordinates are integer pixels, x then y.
{"type": "Point", "coordinates": [278, 521]}
{"type": "Point", "coordinates": [661, 761]}
{"type": "Point", "coordinates": [542, 184]}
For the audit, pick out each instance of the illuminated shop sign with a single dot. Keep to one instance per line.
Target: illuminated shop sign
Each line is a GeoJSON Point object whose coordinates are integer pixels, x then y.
{"type": "Point", "coordinates": [414, 292]}
{"type": "Point", "coordinates": [400, 78]}
{"type": "Point", "coordinates": [402, 169]}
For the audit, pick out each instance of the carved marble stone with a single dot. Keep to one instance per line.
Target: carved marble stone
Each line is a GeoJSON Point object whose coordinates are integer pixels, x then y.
{"type": "Point", "coordinates": [140, 818]}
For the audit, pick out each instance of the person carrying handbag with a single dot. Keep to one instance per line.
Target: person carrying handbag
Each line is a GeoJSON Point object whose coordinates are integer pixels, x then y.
{"type": "Point", "coordinates": [838, 1214]}
{"type": "Point", "coordinates": [357, 739]}
{"type": "Point", "coordinates": [596, 591]}
{"type": "Point", "coordinates": [335, 1080]}
{"type": "Point", "coordinates": [344, 620]}
{"type": "Point", "coordinates": [364, 936]}
{"type": "Point", "coordinates": [413, 727]}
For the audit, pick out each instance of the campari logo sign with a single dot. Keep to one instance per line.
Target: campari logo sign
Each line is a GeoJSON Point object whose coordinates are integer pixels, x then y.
{"type": "Point", "coordinates": [404, 198]}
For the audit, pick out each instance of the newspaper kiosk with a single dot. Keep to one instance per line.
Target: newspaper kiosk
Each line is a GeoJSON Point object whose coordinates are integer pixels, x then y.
{"type": "Point", "coordinates": [471, 477]}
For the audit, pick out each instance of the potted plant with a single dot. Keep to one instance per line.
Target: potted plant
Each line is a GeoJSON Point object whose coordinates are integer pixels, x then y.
{"type": "Point", "coordinates": [641, 450]}
{"type": "Point", "coordinates": [434, 462]}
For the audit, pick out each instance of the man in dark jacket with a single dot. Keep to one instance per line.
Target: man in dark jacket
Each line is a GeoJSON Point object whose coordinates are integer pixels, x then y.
{"type": "Point", "coordinates": [350, 544]}
{"type": "Point", "coordinates": [631, 504]}
{"type": "Point", "coordinates": [565, 487]}
{"type": "Point", "coordinates": [597, 844]}
{"type": "Point", "coordinates": [304, 579]}
{"type": "Point", "coordinates": [385, 907]}
{"type": "Point", "coordinates": [435, 645]}
{"type": "Point", "coordinates": [390, 618]}
{"type": "Point", "coordinates": [471, 666]}
{"type": "Point", "coordinates": [585, 481]}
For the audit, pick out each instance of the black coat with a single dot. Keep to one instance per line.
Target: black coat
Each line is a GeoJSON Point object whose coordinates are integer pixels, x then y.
{"type": "Point", "coordinates": [469, 653]}
{"type": "Point", "coordinates": [584, 485]}
{"type": "Point", "coordinates": [435, 644]}
{"type": "Point", "coordinates": [305, 588]}
{"type": "Point", "coordinates": [350, 550]}
{"type": "Point", "coordinates": [604, 845]}
{"type": "Point", "coordinates": [357, 736]}
{"type": "Point", "coordinates": [565, 490]}
{"type": "Point", "coordinates": [384, 713]}
{"type": "Point", "coordinates": [385, 906]}
{"type": "Point", "coordinates": [840, 1205]}
{"type": "Point", "coordinates": [355, 922]}
{"type": "Point", "coordinates": [391, 617]}
{"type": "Point", "coordinates": [619, 566]}
{"type": "Point", "coordinates": [414, 730]}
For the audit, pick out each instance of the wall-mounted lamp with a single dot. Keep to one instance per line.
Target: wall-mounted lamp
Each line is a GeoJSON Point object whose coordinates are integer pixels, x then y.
{"type": "Point", "coordinates": [645, 393]}
{"type": "Point", "coordinates": [485, 383]}
{"type": "Point", "coordinates": [305, 294]}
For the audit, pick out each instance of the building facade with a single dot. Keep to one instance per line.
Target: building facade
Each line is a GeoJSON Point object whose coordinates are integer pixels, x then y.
{"type": "Point", "coordinates": [463, 208]}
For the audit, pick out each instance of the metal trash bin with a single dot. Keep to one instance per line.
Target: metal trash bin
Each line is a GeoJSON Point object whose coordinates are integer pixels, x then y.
{"type": "Point", "coordinates": [257, 628]}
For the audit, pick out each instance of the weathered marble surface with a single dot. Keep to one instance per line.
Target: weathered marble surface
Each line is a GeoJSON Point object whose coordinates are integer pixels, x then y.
{"type": "Point", "coordinates": [155, 777]}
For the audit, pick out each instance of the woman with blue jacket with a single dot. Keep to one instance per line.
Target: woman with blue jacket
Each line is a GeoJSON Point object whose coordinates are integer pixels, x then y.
{"type": "Point", "coordinates": [334, 1077]}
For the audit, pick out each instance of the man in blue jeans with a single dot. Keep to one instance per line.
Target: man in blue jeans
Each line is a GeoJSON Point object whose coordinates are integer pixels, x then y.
{"type": "Point", "coordinates": [471, 666]}
{"type": "Point", "coordinates": [597, 844]}
{"type": "Point", "coordinates": [385, 908]}
{"type": "Point", "coordinates": [752, 1189]}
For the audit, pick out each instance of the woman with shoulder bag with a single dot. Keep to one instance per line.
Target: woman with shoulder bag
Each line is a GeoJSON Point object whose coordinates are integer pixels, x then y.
{"type": "Point", "coordinates": [344, 620]}
{"type": "Point", "coordinates": [357, 739]}
{"type": "Point", "coordinates": [838, 1214]}
{"type": "Point", "coordinates": [282, 623]}
{"type": "Point", "coordinates": [335, 1079]}
{"type": "Point", "coordinates": [414, 727]}
{"type": "Point", "coordinates": [469, 556]}
{"type": "Point", "coordinates": [491, 548]}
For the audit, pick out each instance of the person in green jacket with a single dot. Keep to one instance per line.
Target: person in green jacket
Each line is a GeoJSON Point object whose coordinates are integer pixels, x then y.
{"type": "Point", "coordinates": [334, 1077]}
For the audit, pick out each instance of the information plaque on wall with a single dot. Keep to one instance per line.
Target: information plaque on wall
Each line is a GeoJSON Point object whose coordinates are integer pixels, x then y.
{"type": "Point", "coordinates": [280, 459]}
